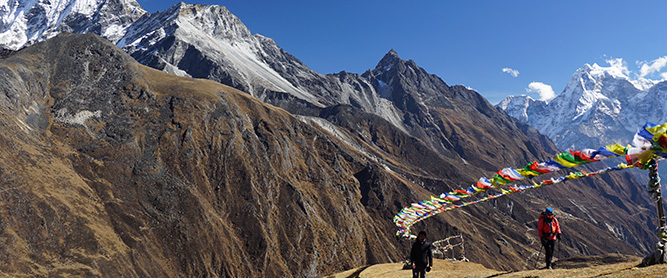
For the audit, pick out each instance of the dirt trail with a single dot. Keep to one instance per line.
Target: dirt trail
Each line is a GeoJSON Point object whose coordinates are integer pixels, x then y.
{"type": "Point", "coordinates": [441, 268]}
{"type": "Point", "coordinates": [597, 266]}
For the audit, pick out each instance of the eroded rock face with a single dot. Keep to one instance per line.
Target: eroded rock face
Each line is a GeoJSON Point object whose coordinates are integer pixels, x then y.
{"type": "Point", "coordinates": [110, 168]}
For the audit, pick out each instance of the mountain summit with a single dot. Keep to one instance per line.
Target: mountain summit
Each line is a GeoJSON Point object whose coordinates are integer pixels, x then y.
{"type": "Point", "coordinates": [210, 42]}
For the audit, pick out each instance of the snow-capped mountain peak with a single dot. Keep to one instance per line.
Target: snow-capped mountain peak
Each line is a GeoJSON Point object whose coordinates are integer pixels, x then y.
{"type": "Point", "coordinates": [514, 100]}
{"type": "Point", "coordinates": [208, 41]}
{"type": "Point", "coordinates": [616, 70]}
{"type": "Point", "coordinates": [27, 22]}
{"type": "Point", "coordinates": [217, 21]}
{"type": "Point", "coordinates": [517, 106]}
{"type": "Point", "coordinates": [599, 106]}
{"type": "Point", "coordinates": [590, 78]}
{"type": "Point", "coordinates": [598, 71]}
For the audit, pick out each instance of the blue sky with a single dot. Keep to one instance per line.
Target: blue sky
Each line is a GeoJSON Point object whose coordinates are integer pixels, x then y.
{"type": "Point", "coordinates": [463, 42]}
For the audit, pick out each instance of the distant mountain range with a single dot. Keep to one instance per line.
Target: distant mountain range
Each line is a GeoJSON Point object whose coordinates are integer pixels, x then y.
{"type": "Point", "coordinates": [161, 175]}
{"type": "Point", "coordinates": [599, 106]}
{"type": "Point", "coordinates": [209, 42]}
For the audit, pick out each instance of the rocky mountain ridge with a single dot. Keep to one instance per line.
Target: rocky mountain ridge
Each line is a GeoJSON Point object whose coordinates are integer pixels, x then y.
{"type": "Point", "coordinates": [210, 42]}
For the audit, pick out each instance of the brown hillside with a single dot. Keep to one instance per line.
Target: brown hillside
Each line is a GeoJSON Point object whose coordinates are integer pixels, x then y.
{"type": "Point", "coordinates": [109, 168]}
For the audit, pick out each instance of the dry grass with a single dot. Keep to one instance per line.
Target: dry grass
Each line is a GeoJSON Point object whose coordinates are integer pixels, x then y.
{"type": "Point", "coordinates": [442, 268]}
{"type": "Point", "coordinates": [466, 269]}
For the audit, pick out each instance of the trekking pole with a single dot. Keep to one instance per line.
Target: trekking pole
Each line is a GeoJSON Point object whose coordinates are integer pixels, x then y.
{"type": "Point", "coordinates": [538, 257]}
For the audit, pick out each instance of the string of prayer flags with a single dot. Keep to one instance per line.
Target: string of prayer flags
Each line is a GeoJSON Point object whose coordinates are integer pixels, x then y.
{"type": "Point", "coordinates": [649, 143]}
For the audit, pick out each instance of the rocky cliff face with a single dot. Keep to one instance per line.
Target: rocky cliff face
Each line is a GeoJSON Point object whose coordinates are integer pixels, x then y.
{"type": "Point", "coordinates": [111, 168]}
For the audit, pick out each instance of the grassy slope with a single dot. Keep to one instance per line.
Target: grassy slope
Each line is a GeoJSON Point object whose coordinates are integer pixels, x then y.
{"type": "Point", "coordinates": [598, 266]}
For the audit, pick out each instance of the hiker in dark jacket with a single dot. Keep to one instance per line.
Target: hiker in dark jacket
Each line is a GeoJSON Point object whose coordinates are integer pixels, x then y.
{"type": "Point", "coordinates": [421, 256]}
{"type": "Point", "coordinates": [548, 230]}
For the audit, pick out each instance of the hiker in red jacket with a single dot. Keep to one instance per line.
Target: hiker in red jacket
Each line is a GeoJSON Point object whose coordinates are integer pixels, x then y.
{"type": "Point", "coordinates": [548, 230]}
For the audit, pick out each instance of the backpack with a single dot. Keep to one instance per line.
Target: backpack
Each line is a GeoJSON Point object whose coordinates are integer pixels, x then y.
{"type": "Point", "coordinates": [546, 221]}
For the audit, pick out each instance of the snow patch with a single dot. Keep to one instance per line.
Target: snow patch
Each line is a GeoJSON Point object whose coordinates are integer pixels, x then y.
{"type": "Point", "coordinates": [384, 90]}
{"type": "Point", "coordinates": [25, 127]}
{"type": "Point", "coordinates": [113, 31]}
